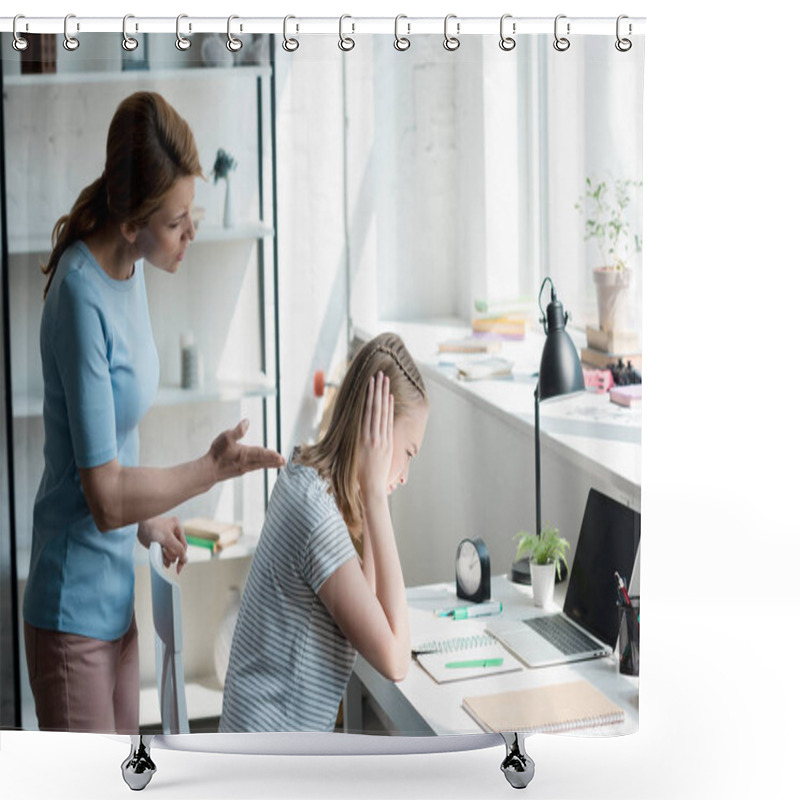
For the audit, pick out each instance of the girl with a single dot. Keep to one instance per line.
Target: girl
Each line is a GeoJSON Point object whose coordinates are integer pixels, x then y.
{"type": "Point", "coordinates": [310, 603]}
{"type": "Point", "coordinates": [100, 370]}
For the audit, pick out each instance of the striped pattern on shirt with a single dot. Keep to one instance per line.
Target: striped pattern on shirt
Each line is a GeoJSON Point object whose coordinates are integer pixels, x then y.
{"type": "Point", "coordinates": [289, 662]}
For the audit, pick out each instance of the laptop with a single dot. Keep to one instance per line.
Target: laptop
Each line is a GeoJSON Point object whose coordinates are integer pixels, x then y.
{"type": "Point", "coordinates": [588, 626]}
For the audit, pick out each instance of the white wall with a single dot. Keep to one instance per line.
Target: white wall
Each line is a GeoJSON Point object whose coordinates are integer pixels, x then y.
{"type": "Point", "coordinates": [312, 254]}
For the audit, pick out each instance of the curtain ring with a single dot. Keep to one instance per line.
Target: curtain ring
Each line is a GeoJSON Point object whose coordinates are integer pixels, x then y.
{"type": "Point", "coordinates": [128, 42]}
{"type": "Point", "coordinates": [451, 43]}
{"type": "Point", "coordinates": [401, 43]}
{"type": "Point", "coordinates": [20, 43]}
{"type": "Point", "coordinates": [181, 42]}
{"type": "Point", "coordinates": [233, 44]}
{"type": "Point", "coordinates": [346, 42]}
{"type": "Point", "coordinates": [70, 42]}
{"type": "Point", "coordinates": [289, 44]}
{"type": "Point", "coordinates": [561, 43]}
{"type": "Point", "coordinates": [507, 43]}
{"type": "Point", "coordinates": [623, 45]}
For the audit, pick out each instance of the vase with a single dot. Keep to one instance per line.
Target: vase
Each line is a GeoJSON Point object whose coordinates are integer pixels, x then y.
{"type": "Point", "coordinates": [543, 582]}
{"type": "Point", "coordinates": [612, 287]}
{"type": "Point", "coordinates": [224, 638]}
{"type": "Point", "coordinates": [227, 214]}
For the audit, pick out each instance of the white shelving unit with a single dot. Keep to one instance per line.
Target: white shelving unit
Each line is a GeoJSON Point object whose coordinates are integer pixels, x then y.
{"type": "Point", "coordinates": [224, 293]}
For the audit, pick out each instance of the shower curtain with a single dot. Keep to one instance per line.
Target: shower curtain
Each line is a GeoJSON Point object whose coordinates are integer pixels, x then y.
{"type": "Point", "coordinates": [354, 184]}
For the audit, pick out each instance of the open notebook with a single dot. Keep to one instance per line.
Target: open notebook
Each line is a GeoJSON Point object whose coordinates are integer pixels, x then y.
{"type": "Point", "coordinates": [462, 657]}
{"type": "Point", "coordinates": [545, 709]}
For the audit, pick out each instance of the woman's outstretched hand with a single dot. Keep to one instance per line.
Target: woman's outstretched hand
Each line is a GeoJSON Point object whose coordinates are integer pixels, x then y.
{"type": "Point", "coordinates": [229, 458]}
{"type": "Point", "coordinates": [377, 426]}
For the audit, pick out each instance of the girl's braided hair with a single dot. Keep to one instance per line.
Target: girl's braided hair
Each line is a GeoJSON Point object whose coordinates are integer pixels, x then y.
{"type": "Point", "coordinates": [335, 456]}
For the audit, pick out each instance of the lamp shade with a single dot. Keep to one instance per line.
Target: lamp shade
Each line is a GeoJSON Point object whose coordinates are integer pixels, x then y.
{"type": "Point", "coordinates": [560, 368]}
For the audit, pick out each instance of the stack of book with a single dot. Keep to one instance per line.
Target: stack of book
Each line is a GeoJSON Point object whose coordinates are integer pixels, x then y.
{"type": "Point", "coordinates": [211, 534]}
{"type": "Point", "coordinates": [508, 320]}
{"type": "Point", "coordinates": [607, 348]}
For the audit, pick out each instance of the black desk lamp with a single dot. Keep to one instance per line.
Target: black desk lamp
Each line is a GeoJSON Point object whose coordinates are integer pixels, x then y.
{"type": "Point", "coordinates": [559, 373]}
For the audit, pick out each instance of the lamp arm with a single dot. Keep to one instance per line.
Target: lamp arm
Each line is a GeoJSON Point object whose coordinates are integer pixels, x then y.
{"type": "Point", "coordinates": [543, 318]}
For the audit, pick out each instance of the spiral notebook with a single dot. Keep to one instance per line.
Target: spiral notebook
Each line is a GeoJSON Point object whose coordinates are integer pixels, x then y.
{"type": "Point", "coordinates": [546, 709]}
{"type": "Point", "coordinates": [463, 657]}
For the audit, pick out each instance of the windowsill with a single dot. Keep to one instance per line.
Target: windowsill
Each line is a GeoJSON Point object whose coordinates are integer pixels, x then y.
{"type": "Point", "coordinates": [586, 428]}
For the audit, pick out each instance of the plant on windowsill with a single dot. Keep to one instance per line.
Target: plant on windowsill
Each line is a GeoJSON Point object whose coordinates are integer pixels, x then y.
{"type": "Point", "coordinates": [605, 206]}
{"type": "Point", "coordinates": [223, 166]}
{"type": "Point", "coordinates": [546, 552]}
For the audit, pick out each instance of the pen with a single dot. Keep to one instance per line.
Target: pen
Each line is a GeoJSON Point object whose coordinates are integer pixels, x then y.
{"type": "Point", "coordinates": [465, 612]}
{"type": "Point", "coordinates": [623, 589]}
{"type": "Point", "coordinates": [478, 662]}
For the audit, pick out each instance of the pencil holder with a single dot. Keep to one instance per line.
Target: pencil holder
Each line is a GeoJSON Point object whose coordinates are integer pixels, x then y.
{"type": "Point", "coordinates": [629, 637]}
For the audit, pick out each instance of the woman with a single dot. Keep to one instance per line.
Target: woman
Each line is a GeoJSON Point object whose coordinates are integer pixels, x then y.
{"type": "Point", "coordinates": [100, 370]}
{"type": "Point", "coordinates": [310, 603]}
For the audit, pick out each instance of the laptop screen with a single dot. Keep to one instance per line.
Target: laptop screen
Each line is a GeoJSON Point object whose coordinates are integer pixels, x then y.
{"type": "Point", "coordinates": [608, 542]}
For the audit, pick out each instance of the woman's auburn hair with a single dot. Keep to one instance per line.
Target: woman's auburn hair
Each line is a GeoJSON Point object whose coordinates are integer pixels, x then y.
{"type": "Point", "coordinates": [335, 455]}
{"type": "Point", "coordinates": [148, 147]}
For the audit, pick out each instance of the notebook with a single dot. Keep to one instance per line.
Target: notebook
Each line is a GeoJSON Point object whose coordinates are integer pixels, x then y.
{"type": "Point", "coordinates": [461, 658]}
{"type": "Point", "coordinates": [546, 709]}
{"type": "Point", "coordinates": [608, 542]}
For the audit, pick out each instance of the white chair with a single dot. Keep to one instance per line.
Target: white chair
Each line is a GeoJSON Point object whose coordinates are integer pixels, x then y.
{"type": "Point", "coordinates": [169, 646]}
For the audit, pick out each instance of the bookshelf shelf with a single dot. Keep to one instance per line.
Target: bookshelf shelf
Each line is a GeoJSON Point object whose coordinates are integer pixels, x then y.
{"type": "Point", "coordinates": [40, 243]}
{"type": "Point", "coordinates": [133, 76]}
{"type": "Point", "coordinates": [31, 404]}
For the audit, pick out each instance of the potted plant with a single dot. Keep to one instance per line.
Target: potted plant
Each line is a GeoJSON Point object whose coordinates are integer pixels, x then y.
{"type": "Point", "coordinates": [223, 166]}
{"type": "Point", "coordinates": [545, 552]}
{"type": "Point", "coordinates": [605, 206]}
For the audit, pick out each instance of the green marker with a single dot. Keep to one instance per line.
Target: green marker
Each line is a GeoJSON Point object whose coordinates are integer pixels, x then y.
{"type": "Point", "coordinates": [478, 662]}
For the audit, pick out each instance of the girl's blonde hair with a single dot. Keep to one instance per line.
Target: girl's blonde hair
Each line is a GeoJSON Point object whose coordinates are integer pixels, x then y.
{"type": "Point", "coordinates": [149, 146]}
{"type": "Point", "coordinates": [335, 456]}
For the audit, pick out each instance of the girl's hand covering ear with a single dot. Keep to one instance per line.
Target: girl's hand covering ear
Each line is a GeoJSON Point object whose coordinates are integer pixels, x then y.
{"type": "Point", "coordinates": [377, 436]}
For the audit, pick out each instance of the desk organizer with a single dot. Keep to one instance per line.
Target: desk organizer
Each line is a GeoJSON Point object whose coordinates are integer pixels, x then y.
{"type": "Point", "coordinates": [429, 191]}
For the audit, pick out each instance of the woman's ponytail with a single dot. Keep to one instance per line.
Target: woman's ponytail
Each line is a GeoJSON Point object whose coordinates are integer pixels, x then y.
{"type": "Point", "coordinates": [89, 213]}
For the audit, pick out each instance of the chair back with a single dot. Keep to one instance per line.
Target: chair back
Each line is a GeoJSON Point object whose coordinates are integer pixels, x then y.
{"type": "Point", "coordinates": [169, 645]}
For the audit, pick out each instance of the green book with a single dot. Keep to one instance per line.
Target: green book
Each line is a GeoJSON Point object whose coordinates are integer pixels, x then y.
{"type": "Point", "coordinates": [197, 541]}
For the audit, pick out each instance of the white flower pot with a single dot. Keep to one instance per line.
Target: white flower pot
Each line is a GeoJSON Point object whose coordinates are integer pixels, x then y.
{"type": "Point", "coordinates": [612, 287]}
{"type": "Point", "coordinates": [543, 582]}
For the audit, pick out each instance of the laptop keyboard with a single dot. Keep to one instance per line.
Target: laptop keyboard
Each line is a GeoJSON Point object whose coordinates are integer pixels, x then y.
{"type": "Point", "coordinates": [567, 638]}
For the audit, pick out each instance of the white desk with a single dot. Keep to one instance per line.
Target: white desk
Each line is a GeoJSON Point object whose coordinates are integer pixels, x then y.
{"type": "Point", "coordinates": [419, 706]}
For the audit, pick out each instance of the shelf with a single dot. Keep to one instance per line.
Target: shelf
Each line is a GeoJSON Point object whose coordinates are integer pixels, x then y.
{"type": "Point", "coordinates": [30, 405]}
{"type": "Point", "coordinates": [133, 75]}
{"type": "Point", "coordinates": [244, 548]}
{"type": "Point", "coordinates": [19, 245]}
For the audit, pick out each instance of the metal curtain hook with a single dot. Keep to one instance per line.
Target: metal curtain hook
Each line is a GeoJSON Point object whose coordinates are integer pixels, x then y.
{"type": "Point", "coordinates": [401, 42]}
{"type": "Point", "coordinates": [561, 43]}
{"type": "Point", "coordinates": [233, 44]}
{"type": "Point", "coordinates": [507, 43]}
{"type": "Point", "coordinates": [623, 45]}
{"type": "Point", "coordinates": [128, 42]}
{"type": "Point", "coordinates": [20, 43]}
{"type": "Point", "coordinates": [70, 42]}
{"type": "Point", "coordinates": [345, 42]}
{"type": "Point", "coordinates": [289, 44]}
{"type": "Point", "coordinates": [181, 42]}
{"type": "Point", "coordinates": [451, 43]}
